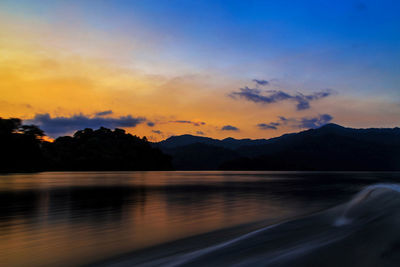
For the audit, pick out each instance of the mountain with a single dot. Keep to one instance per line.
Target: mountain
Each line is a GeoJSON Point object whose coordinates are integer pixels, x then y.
{"type": "Point", "coordinates": [330, 147]}
{"type": "Point", "coordinates": [187, 139]}
{"type": "Point", "coordinates": [200, 156]}
{"type": "Point", "coordinates": [191, 152]}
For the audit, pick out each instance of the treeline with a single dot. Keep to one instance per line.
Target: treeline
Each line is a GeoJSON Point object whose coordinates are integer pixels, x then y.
{"type": "Point", "coordinates": [23, 149]}
{"type": "Point", "coordinates": [328, 148]}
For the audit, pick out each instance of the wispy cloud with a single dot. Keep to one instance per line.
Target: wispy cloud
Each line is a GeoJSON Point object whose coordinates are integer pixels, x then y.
{"type": "Point", "coordinates": [314, 122]}
{"type": "Point", "coordinates": [269, 126]}
{"type": "Point", "coordinates": [261, 82]}
{"type": "Point", "coordinates": [302, 123]}
{"type": "Point", "coordinates": [229, 128]}
{"type": "Point", "coordinates": [200, 133]}
{"type": "Point", "coordinates": [195, 123]}
{"type": "Point", "coordinates": [273, 96]}
{"type": "Point", "coordinates": [56, 126]}
{"type": "Point", "coordinates": [104, 113]}
{"type": "Point", "coordinates": [156, 131]}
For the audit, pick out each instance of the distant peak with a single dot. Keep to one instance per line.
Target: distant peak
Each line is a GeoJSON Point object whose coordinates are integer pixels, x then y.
{"type": "Point", "coordinates": [331, 126]}
{"type": "Point", "coordinates": [179, 136]}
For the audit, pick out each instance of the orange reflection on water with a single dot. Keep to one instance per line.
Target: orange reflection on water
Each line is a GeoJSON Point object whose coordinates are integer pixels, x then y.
{"type": "Point", "coordinates": [64, 219]}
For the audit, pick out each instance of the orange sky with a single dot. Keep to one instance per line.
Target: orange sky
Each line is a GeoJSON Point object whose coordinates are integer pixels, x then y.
{"type": "Point", "coordinates": [65, 70]}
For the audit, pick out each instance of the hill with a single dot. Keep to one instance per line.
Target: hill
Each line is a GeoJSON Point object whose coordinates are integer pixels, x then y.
{"type": "Point", "coordinates": [187, 139]}
{"type": "Point", "coordinates": [329, 148]}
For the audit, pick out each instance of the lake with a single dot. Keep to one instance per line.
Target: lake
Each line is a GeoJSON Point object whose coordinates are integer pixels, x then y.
{"type": "Point", "coordinates": [83, 218]}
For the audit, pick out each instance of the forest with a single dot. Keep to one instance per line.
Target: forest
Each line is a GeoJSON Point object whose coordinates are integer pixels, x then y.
{"type": "Point", "coordinates": [24, 149]}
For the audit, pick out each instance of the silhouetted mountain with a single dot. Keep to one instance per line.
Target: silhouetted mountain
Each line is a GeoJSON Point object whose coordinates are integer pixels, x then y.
{"type": "Point", "coordinates": [331, 147]}
{"type": "Point", "coordinates": [187, 139]}
{"type": "Point", "coordinates": [191, 152]}
{"type": "Point", "coordinates": [200, 156]}
{"type": "Point", "coordinates": [184, 140]}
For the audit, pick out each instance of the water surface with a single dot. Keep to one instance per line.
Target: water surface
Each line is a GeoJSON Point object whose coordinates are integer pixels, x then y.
{"type": "Point", "coordinates": [78, 218]}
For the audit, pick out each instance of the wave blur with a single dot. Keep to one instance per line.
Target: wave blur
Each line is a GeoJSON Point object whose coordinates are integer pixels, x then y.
{"type": "Point", "coordinates": [361, 232]}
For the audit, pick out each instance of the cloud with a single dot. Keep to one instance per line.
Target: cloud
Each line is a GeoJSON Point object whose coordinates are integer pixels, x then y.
{"type": "Point", "coordinates": [157, 131]}
{"type": "Point", "coordinates": [302, 123]}
{"type": "Point", "coordinates": [283, 119]}
{"type": "Point", "coordinates": [268, 126]}
{"type": "Point", "coordinates": [273, 96]}
{"type": "Point", "coordinates": [56, 126]}
{"type": "Point", "coordinates": [195, 123]}
{"type": "Point", "coordinates": [229, 128]}
{"type": "Point", "coordinates": [199, 133]}
{"type": "Point", "coordinates": [150, 124]}
{"type": "Point", "coordinates": [104, 113]}
{"type": "Point", "coordinates": [261, 82]}
{"type": "Point", "coordinates": [314, 122]}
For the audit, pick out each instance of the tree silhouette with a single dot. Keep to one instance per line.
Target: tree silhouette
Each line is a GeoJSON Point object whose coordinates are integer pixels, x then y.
{"type": "Point", "coordinates": [104, 149]}
{"type": "Point", "coordinates": [20, 146]}
{"type": "Point", "coordinates": [33, 131]}
{"type": "Point", "coordinates": [9, 126]}
{"type": "Point", "coordinates": [23, 149]}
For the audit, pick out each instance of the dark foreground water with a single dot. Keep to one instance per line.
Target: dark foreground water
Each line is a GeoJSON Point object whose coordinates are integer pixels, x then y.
{"type": "Point", "coordinates": [200, 219]}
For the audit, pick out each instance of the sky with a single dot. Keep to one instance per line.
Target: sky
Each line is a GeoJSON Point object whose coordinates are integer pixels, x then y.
{"type": "Point", "coordinates": [242, 69]}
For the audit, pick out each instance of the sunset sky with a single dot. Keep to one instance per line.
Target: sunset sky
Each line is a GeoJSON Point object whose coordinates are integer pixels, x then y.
{"type": "Point", "coordinates": [245, 69]}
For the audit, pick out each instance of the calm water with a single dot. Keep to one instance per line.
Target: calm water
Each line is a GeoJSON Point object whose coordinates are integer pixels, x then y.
{"type": "Point", "coordinates": [69, 218]}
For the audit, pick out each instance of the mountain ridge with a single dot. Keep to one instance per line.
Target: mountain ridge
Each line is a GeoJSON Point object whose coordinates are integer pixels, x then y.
{"type": "Point", "coordinates": [330, 147]}
{"type": "Point", "coordinates": [173, 141]}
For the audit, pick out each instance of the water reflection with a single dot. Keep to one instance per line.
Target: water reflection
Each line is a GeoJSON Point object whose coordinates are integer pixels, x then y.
{"type": "Point", "coordinates": [66, 219]}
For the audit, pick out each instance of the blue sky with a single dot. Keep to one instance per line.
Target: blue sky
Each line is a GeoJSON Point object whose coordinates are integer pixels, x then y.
{"type": "Point", "coordinates": [349, 47]}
